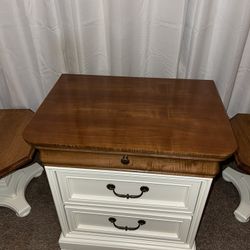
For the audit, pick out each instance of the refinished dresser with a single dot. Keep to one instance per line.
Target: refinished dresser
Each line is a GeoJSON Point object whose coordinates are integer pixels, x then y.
{"type": "Point", "coordinates": [130, 160]}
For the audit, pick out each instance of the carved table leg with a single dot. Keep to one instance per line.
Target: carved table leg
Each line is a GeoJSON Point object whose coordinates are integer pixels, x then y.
{"type": "Point", "coordinates": [12, 189]}
{"type": "Point", "coordinates": [242, 183]}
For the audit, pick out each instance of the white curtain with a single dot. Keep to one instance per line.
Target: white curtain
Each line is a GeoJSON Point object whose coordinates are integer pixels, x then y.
{"type": "Point", "coordinates": [40, 39]}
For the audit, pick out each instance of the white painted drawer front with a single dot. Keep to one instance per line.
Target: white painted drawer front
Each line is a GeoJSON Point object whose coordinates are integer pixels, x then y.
{"type": "Point", "coordinates": [167, 193]}
{"type": "Point", "coordinates": [171, 227]}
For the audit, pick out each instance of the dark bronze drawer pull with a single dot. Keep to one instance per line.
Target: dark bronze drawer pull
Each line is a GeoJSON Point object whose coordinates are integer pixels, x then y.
{"type": "Point", "coordinates": [131, 196]}
{"type": "Point", "coordinates": [125, 160]}
{"type": "Point", "coordinates": [126, 228]}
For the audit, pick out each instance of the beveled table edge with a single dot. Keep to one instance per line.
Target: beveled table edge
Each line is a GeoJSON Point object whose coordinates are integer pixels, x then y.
{"type": "Point", "coordinates": [17, 165]}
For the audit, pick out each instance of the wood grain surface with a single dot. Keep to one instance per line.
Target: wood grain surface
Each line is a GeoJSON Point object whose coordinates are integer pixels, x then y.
{"type": "Point", "coordinates": [154, 117]}
{"type": "Point", "coordinates": [241, 128]}
{"type": "Point", "coordinates": [106, 160]}
{"type": "Point", "coordinates": [14, 151]}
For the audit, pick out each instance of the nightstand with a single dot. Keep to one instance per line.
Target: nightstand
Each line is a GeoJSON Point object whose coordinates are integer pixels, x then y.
{"type": "Point", "coordinates": [130, 160]}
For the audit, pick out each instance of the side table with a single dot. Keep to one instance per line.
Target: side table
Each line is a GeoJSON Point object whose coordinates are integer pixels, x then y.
{"type": "Point", "coordinates": [15, 154]}
{"type": "Point", "coordinates": [241, 179]}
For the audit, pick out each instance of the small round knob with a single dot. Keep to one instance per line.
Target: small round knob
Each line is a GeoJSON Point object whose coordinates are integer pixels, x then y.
{"type": "Point", "coordinates": [125, 160]}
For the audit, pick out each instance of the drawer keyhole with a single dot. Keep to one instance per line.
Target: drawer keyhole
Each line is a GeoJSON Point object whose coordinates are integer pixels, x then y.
{"type": "Point", "coordinates": [143, 189]}
{"type": "Point", "coordinates": [126, 228]}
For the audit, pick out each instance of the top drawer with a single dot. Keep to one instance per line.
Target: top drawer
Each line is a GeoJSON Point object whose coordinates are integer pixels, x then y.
{"type": "Point", "coordinates": [132, 189]}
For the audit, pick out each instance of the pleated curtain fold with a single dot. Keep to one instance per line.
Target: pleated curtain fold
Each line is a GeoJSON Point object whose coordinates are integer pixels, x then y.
{"type": "Point", "coordinates": [200, 39]}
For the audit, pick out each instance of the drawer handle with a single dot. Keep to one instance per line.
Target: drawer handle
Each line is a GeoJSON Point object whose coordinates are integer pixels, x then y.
{"type": "Point", "coordinates": [126, 228]}
{"type": "Point", "coordinates": [143, 189]}
{"type": "Point", "coordinates": [125, 160]}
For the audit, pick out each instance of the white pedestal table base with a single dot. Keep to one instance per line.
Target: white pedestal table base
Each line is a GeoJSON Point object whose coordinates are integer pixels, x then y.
{"type": "Point", "coordinates": [242, 183]}
{"type": "Point", "coordinates": [12, 189]}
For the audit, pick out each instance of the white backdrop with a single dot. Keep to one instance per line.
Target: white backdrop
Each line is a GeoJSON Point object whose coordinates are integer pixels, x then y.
{"type": "Point", "coordinates": [161, 38]}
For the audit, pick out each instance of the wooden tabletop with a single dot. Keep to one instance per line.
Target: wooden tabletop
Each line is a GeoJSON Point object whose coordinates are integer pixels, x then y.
{"type": "Point", "coordinates": [144, 116]}
{"type": "Point", "coordinates": [14, 151]}
{"type": "Point", "coordinates": [241, 128]}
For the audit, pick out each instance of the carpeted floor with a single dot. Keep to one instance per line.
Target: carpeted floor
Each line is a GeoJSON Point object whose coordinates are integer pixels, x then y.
{"type": "Point", "coordinates": [218, 230]}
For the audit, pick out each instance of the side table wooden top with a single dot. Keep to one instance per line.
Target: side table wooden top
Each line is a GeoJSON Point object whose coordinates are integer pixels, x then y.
{"type": "Point", "coordinates": [167, 118]}
{"type": "Point", "coordinates": [14, 151]}
{"type": "Point", "coordinates": [241, 128]}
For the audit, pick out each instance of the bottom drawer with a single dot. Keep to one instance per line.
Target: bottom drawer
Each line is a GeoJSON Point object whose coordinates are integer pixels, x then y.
{"type": "Point", "coordinates": [129, 223]}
